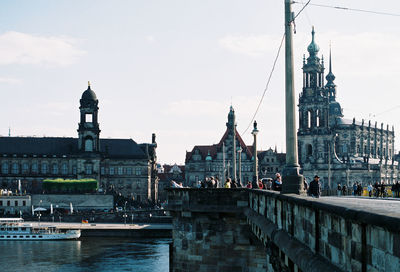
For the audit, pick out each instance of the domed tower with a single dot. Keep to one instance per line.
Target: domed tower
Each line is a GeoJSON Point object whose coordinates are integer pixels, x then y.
{"type": "Point", "coordinates": [313, 103]}
{"type": "Point", "coordinates": [88, 130]}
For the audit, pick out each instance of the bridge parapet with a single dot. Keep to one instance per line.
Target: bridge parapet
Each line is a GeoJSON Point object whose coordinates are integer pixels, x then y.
{"type": "Point", "coordinates": [314, 234]}
{"type": "Point", "coordinates": [210, 232]}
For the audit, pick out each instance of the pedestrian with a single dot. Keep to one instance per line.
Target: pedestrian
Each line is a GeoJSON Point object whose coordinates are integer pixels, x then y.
{"type": "Point", "coordinates": [305, 184]}
{"type": "Point", "coordinates": [397, 189]}
{"type": "Point", "coordinates": [269, 184]}
{"type": "Point", "coordinates": [260, 184]}
{"type": "Point", "coordinates": [213, 183]}
{"type": "Point", "coordinates": [339, 190]}
{"type": "Point", "coordinates": [249, 185]}
{"type": "Point", "coordinates": [234, 184]}
{"type": "Point", "coordinates": [277, 184]}
{"type": "Point", "coordinates": [344, 189]}
{"type": "Point", "coordinates": [393, 189]}
{"type": "Point", "coordinates": [354, 189]}
{"type": "Point", "coordinates": [227, 183]}
{"type": "Point", "coordinates": [359, 189]}
{"type": "Point", "coordinates": [369, 188]}
{"type": "Point", "coordinates": [315, 187]}
{"type": "Point", "coordinates": [376, 187]}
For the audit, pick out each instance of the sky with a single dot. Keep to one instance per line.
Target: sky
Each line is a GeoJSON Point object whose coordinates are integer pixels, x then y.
{"type": "Point", "coordinates": [174, 67]}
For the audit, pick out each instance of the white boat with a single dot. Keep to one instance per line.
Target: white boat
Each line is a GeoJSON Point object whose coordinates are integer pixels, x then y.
{"type": "Point", "coordinates": [16, 229]}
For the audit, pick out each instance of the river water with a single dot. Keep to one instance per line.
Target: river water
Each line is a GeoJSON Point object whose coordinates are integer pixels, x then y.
{"type": "Point", "coordinates": [86, 254]}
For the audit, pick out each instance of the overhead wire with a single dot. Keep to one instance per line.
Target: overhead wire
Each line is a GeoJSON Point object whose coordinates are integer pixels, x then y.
{"type": "Point", "coordinates": [353, 9]}
{"type": "Point", "coordinates": [267, 85]}
{"type": "Point", "coordinates": [272, 70]}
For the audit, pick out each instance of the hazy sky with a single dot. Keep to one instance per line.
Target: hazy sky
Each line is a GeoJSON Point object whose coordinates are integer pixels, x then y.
{"type": "Point", "coordinates": [173, 67]}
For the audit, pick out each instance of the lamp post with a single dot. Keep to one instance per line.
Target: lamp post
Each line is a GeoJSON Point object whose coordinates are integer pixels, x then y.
{"type": "Point", "coordinates": [255, 166]}
{"type": "Point", "coordinates": [239, 150]}
{"type": "Point", "coordinates": [293, 182]}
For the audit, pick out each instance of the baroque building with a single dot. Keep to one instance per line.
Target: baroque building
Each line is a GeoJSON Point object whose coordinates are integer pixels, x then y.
{"type": "Point", "coordinates": [230, 158]}
{"type": "Point", "coordinates": [119, 165]}
{"type": "Point", "coordinates": [337, 149]}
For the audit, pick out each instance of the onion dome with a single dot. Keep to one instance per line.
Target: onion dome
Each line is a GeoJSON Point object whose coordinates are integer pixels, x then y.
{"type": "Point", "coordinates": [313, 48]}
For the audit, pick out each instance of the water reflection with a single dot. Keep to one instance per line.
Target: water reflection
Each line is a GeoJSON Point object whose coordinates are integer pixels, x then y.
{"type": "Point", "coordinates": [88, 254]}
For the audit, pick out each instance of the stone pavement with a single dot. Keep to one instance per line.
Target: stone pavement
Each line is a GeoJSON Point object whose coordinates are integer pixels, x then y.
{"type": "Point", "coordinates": [387, 206]}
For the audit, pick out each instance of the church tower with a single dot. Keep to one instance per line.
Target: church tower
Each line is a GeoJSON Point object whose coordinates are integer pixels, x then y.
{"type": "Point", "coordinates": [313, 102]}
{"type": "Point", "coordinates": [88, 130]}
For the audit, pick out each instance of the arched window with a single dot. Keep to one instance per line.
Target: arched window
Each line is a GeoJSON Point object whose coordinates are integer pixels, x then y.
{"type": "Point", "coordinates": [45, 168]}
{"type": "Point", "coordinates": [64, 169]}
{"type": "Point", "coordinates": [25, 168]}
{"type": "Point", "coordinates": [4, 168]}
{"type": "Point", "coordinates": [54, 169]}
{"type": "Point", "coordinates": [309, 150]}
{"type": "Point", "coordinates": [89, 144]}
{"type": "Point", "coordinates": [34, 167]}
{"type": "Point", "coordinates": [309, 119]}
{"type": "Point", "coordinates": [15, 168]}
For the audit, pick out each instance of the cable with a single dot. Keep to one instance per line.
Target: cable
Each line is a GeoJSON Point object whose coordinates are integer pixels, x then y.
{"type": "Point", "coordinates": [353, 9]}
{"type": "Point", "coordinates": [301, 9]}
{"type": "Point", "coordinates": [266, 87]}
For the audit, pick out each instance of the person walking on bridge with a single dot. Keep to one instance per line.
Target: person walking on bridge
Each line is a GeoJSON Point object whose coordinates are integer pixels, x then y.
{"type": "Point", "coordinates": [315, 187]}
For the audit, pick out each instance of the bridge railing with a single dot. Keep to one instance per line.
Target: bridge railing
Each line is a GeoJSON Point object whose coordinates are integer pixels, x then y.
{"type": "Point", "coordinates": [204, 199]}
{"type": "Point", "coordinates": [349, 237]}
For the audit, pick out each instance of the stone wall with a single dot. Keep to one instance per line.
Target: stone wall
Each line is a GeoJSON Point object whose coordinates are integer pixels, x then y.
{"type": "Point", "coordinates": [210, 232]}
{"type": "Point", "coordinates": [79, 202]}
{"type": "Point", "coordinates": [344, 238]}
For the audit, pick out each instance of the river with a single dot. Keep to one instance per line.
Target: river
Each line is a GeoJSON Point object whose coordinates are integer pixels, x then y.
{"type": "Point", "coordinates": [86, 254]}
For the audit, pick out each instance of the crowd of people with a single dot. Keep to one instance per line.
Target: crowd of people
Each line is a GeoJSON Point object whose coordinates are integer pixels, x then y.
{"type": "Point", "coordinates": [313, 188]}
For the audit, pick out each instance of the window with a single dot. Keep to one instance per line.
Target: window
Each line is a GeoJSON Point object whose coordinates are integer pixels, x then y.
{"type": "Point", "coordinates": [45, 168]}
{"type": "Point", "coordinates": [111, 171]}
{"type": "Point", "coordinates": [129, 171]}
{"type": "Point", "coordinates": [88, 169]}
{"type": "Point", "coordinates": [64, 169]}
{"type": "Point", "coordinates": [120, 170]}
{"type": "Point", "coordinates": [137, 171]}
{"type": "Point", "coordinates": [88, 118]}
{"type": "Point", "coordinates": [309, 150]}
{"type": "Point", "coordinates": [89, 144]}
{"type": "Point", "coordinates": [272, 160]}
{"type": "Point", "coordinates": [4, 168]}
{"type": "Point", "coordinates": [25, 168]}
{"type": "Point", "coordinates": [102, 171]}
{"type": "Point", "coordinates": [54, 169]}
{"type": "Point", "coordinates": [16, 203]}
{"type": "Point", "coordinates": [23, 202]}
{"type": "Point", "coordinates": [8, 203]}
{"type": "Point", "coordinates": [34, 167]}
{"type": "Point", "coordinates": [1, 202]}
{"type": "Point", "coordinates": [15, 168]}
{"type": "Point", "coordinates": [74, 170]}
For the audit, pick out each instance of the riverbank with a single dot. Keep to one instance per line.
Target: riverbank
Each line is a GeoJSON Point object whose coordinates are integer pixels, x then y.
{"type": "Point", "coordinates": [141, 230]}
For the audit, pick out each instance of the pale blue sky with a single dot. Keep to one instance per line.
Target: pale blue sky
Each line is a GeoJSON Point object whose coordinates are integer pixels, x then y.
{"type": "Point", "coordinates": [173, 67]}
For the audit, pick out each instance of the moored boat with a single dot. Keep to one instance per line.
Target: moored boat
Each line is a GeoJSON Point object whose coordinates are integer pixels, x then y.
{"type": "Point", "coordinates": [16, 229]}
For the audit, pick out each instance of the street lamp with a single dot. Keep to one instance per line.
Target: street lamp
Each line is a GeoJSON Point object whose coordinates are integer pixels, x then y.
{"type": "Point", "coordinates": [239, 150]}
{"type": "Point", "coordinates": [255, 174]}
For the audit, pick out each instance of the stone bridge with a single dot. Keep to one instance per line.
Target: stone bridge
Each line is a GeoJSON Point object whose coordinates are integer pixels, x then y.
{"type": "Point", "coordinates": [256, 230]}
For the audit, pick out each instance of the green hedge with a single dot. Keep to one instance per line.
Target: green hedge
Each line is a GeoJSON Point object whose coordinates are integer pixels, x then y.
{"type": "Point", "coordinates": [70, 185]}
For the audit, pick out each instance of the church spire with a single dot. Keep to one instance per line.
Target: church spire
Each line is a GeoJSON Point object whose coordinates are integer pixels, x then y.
{"type": "Point", "coordinates": [330, 77]}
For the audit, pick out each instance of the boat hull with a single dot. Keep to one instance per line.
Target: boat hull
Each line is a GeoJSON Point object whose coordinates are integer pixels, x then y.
{"type": "Point", "coordinates": [71, 234]}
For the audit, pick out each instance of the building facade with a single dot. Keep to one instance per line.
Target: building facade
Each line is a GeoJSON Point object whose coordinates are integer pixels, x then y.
{"type": "Point", "coordinates": [220, 160]}
{"type": "Point", "coordinates": [337, 149]}
{"type": "Point", "coordinates": [120, 165]}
